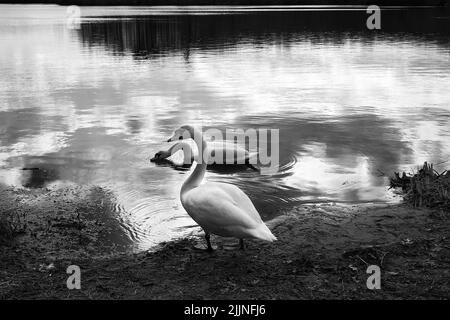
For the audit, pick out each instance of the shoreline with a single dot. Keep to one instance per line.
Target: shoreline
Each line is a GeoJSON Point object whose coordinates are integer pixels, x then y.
{"type": "Point", "coordinates": [322, 252]}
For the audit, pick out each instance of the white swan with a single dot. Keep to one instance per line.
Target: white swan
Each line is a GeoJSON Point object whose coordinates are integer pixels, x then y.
{"type": "Point", "coordinates": [228, 153]}
{"type": "Point", "coordinates": [219, 208]}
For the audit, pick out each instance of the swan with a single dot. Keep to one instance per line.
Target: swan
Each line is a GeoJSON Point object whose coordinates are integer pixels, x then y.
{"type": "Point", "coordinates": [219, 208]}
{"type": "Point", "coordinates": [240, 155]}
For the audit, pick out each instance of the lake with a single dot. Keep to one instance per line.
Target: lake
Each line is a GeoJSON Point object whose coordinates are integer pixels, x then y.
{"type": "Point", "coordinates": [91, 102]}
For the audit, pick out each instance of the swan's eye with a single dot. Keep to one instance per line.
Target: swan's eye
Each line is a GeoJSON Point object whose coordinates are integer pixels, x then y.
{"type": "Point", "coordinates": [180, 138]}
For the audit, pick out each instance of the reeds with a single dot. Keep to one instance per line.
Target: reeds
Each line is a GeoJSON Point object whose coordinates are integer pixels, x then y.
{"type": "Point", "coordinates": [426, 188]}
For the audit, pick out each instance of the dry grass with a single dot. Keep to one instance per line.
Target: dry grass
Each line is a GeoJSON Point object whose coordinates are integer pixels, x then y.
{"type": "Point", "coordinates": [425, 188]}
{"type": "Point", "coordinates": [6, 234]}
{"type": "Point", "coordinates": [12, 223]}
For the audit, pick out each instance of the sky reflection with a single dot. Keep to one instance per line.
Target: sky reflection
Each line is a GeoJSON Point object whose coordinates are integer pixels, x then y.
{"type": "Point", "coordinates": [92, 105]}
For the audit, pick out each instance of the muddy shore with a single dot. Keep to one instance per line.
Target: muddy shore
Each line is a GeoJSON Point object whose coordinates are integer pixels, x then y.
{"type": "Point", "coordinates": [322, 252]}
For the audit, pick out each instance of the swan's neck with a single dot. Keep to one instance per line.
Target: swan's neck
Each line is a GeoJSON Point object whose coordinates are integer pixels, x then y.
{"type": "Point", "coordinates": [183, 146]}
{"type": "Point", "coordinates": [195, 179]}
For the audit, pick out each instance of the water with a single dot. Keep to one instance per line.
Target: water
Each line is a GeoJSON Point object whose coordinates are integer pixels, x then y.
{"type": "Point", "coordinates": [91, 104]}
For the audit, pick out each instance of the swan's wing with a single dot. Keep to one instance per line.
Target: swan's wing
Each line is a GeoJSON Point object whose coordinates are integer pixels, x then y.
{"type": "Point", "coordinates": [230, 152]}
{"type": "Point", "coordinates": [222, 205]}
{"type": "Point", "coordinates": [240, 199]}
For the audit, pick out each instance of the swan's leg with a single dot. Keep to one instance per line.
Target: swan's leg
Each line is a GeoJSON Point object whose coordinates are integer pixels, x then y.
{"type": "Point", "coordinates": [252, 167]}
{"type": "Point", "coordinates": [208, 241]}
{"type": "Point", "coordinates": [241, 244]}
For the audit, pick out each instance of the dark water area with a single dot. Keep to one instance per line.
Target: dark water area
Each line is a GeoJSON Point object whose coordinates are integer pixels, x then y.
{"type": "Point", "coordinates": [90, 103]}
{"type": "Point", "coordinates": [150, 37]}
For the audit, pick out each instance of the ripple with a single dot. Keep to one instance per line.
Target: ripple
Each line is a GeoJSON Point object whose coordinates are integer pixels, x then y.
{"type": "Point", "coordinates": [139, 82]}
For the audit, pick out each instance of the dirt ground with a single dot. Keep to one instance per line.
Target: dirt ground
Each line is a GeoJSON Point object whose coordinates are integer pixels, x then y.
{"type": "Point", "coordinates": [322, 252]}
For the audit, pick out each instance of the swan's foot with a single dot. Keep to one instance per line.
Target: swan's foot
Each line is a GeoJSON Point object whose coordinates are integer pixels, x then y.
{"type": "Point", "coordinates": [208, 242]}
{"type": "Point", "coordinates": [241, 244]}
{"type": "Point", "coordinates": [253, 167]}
{"type": "Point", "coordinates": [201, 245]}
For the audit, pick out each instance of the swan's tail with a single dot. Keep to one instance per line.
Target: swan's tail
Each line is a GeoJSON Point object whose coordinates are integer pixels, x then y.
{"type": "Point", "coordinates": [264, 233]}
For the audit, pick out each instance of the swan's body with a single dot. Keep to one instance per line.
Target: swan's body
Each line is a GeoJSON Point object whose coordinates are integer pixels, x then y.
{"type": "Point", "coordinates": [225, 210]}
{"type": "Point", "coordinates": [219, 208]}
{"type": "Point", "coordinates": [224, 152]}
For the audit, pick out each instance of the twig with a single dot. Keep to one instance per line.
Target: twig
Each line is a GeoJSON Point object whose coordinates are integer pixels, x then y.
{"type": "Point", "coordinates": [382, 258]}
{"type": "Point", "coordinates": [362, 259]}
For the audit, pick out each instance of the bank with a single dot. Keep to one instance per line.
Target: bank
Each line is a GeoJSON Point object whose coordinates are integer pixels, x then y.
{"type": "Point", "coordinates": [323, 252]}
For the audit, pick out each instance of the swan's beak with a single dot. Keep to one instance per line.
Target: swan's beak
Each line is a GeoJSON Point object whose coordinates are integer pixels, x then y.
{"type": "Point", "coordinates": [156, 157]}
{"type": "Point", "coordinates": [172, 138]}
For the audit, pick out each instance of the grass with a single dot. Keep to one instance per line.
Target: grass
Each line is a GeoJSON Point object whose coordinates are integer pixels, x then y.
{"type": "Point", "coordinates": [12, 223]}
{"type": "Point", "coordinates": [6, 234]}
{"type": "Point", "coordinates": [425, 188]}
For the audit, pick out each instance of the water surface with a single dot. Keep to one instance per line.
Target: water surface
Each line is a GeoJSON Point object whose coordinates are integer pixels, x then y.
{"type": "Point", "coordinates": [91, 103]}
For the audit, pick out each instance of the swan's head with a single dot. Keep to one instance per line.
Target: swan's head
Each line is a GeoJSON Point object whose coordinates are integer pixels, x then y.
{"type": "Point", "coordinates": [160, 155]}
{"type": "Point", "coordinates": [182, 133]}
